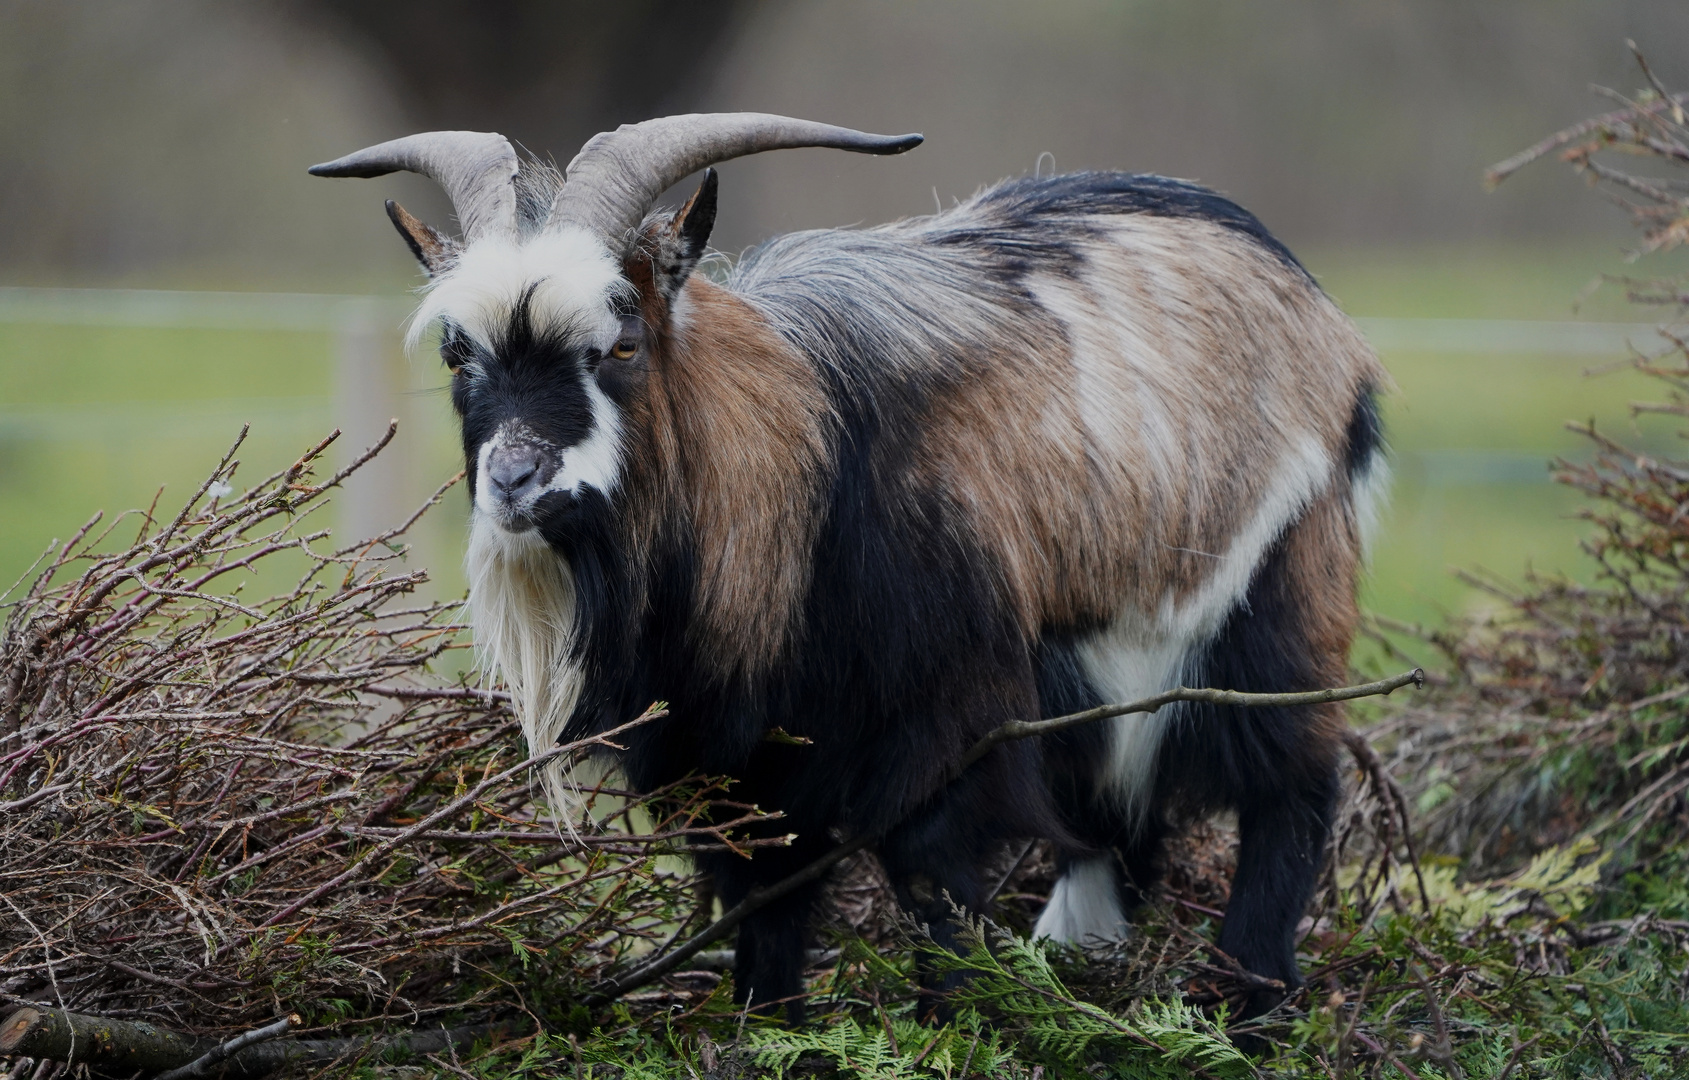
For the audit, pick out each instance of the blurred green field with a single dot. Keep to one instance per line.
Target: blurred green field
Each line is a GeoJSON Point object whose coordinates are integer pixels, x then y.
{"type": "Point", "coordinates": [95, 417]}
{"type": "Point", "coordinates": [1472, 433]}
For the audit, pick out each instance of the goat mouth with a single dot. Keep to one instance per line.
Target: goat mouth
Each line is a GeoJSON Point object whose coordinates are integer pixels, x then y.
{"type": "Point", "coordinates": [516, 521]}
{"type": "Point", "coordinates": [533, 515]}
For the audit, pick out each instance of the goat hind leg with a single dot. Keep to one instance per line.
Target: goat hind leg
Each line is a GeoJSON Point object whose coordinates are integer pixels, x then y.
{"type": "Point", "coordinates": [1281, 849]}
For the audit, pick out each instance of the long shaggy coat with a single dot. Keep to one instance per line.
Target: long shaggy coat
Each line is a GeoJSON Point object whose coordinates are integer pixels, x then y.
{"type": "Point", "coordinates": [1074, 441]}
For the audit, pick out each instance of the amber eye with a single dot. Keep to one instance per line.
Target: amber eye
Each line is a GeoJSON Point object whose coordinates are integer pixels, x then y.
{"type": "Point", "coordinates": [624, 349]}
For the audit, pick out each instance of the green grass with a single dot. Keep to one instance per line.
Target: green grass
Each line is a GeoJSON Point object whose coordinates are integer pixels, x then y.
{"type": "Point", "coordinates": [100, 418]}
{"type": "Point", "coordinates": [97, 418]}
{"type": "Point", "coordinates": [1485, 281]}
{"type": "Point", "coordinates": [1472, 435]}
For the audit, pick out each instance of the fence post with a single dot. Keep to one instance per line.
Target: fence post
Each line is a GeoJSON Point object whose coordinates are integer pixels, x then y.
{"type": "Point", "coordinates": [369, 393]}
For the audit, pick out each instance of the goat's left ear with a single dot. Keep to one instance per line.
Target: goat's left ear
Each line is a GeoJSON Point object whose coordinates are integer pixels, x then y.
{"type": "Point", "coordinates": [682, 243]}
{"type": "Point", "coordinates": [434, 251]}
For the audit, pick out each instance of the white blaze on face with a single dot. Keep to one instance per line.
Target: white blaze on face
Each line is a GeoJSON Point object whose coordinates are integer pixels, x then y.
{"type": "Point", "coordinates": [594, 462]}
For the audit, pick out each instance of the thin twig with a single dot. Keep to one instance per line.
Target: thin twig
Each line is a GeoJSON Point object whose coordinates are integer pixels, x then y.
{"type": "Point", "coordinates": [1023, 729]}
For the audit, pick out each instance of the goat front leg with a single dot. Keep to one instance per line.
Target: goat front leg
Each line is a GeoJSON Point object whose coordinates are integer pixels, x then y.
{"type": "Point", "coordinates": [770, 950]}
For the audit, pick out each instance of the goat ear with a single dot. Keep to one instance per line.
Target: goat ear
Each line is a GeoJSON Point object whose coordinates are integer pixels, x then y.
{"type": "Point", "coordinates": [687, 234]}
{"type": "Point", "coordinates": [434, 251]}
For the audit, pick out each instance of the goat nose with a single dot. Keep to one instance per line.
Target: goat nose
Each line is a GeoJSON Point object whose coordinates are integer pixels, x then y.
{"type": "Point", "coordinates": [513, 469]}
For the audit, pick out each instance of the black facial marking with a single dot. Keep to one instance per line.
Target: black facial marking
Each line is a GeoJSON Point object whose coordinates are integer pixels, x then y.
{"type": "Point", "coordinates": [528, 379]}
{"type": "Point", "coordinates": [456, 349]}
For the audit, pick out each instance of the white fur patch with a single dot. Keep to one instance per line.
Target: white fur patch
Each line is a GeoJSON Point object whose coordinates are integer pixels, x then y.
{"type": "Point", "coordinates": [1084, 907]}
{"type": "Point", "coordinates": [595, 461]}
{"type": "Point", "coordinates": [1134, 658]}
{"type": "Point", "coordinates": [1371, 493]}
{"type": "Point", "coordinates": [1124, 662]}
{"type": "Point", "coordinates": [1126, 390]}
{"type": "Point", "coordinates": [572, 274]}
{"type": "Point", "coordinates": [522, 611]}
{"type": "Point", "coordinates": [1303, 471]}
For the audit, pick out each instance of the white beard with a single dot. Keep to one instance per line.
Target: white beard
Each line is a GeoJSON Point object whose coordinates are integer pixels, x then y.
{"type": "Point", "coordinates": [522, 613]}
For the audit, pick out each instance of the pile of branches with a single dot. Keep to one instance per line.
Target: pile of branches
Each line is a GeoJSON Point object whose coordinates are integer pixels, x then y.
{"type": "Point", "coordinates": [217, 809]}
{"type": "Point", "coordinates": [1566, 716]}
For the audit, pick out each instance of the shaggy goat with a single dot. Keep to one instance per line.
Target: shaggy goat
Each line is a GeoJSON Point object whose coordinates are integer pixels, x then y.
{"type": "Point", "coordinates": [1072, 441]}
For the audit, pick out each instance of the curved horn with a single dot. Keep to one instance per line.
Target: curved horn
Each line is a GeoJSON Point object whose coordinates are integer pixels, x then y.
{"type": "Point", "coordinates": [618, 174]}
{"type": "Point", "coordinates": [477, 169]}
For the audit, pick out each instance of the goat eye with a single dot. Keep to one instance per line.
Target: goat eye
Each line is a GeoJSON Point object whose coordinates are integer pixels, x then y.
{"type": "Point", "coordinates": [624, 349]}
{"type": "Point", "coordinates": [454, 351]}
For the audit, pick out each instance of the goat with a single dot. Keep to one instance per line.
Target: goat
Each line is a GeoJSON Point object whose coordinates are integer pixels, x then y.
{"type": "Point", "coordinates": [1073, 441]}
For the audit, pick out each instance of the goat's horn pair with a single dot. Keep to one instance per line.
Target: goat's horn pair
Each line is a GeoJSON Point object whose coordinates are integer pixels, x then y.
{"type": "Point", "coordinates": [615, 178]}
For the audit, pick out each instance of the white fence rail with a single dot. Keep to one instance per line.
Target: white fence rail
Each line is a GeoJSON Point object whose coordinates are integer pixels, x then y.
{"type": "Point", "coordinates": [370, 377]}
{"type": "Point", "coordinates": [364, 339]}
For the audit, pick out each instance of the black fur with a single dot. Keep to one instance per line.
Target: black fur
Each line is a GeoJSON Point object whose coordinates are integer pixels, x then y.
{"type": "Point", "coordinates": [1271, 765]}
{"type": "Point", "coordinates": [1032, 201]}
{"type": "Point", "coordinates": [1364, 440]}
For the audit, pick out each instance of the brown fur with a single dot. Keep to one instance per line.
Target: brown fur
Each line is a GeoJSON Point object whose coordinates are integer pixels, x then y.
{"type": "Point", "coordinates": [737, 424]}
{"type": "Point", "coordinates": [1100, 474]}
{"type": "Point", "coordinates": [1078, 518]}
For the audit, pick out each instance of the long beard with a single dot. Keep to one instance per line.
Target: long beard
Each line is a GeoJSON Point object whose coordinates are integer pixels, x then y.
{"type": "Point", "coordinates": [522, 611]}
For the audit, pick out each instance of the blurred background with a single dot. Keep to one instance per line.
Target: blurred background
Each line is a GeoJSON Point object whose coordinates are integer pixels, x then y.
{"type": "Point", "coordinates": [168, 271]}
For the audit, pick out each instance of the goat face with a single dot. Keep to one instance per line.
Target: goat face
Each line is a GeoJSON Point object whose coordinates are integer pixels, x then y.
{"type": "Point", "coordinates": [549, 343]}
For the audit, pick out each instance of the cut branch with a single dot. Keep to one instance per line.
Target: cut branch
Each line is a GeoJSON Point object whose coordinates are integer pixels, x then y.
{"type": "Point", "coordinates": [77, 1039]}
{"type": "Point", "coordinates": [219, 1054]}
{"type": "Point", "coordinates": [122, 1046]}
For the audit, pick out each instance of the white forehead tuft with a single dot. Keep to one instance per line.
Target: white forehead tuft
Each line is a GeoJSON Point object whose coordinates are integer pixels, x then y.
{"type": "Point", "coordinates": [571, 272]}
